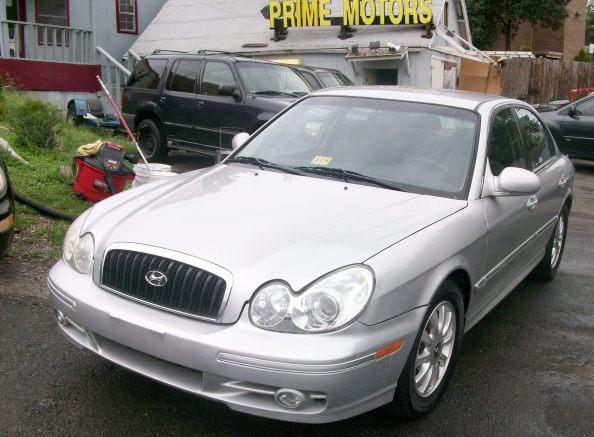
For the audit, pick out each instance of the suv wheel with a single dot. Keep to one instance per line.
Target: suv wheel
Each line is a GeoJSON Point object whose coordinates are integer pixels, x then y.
{"type": "Point", "coordinates": [431, 361]}
{"type": "Point", "coordinates": [151, 140]}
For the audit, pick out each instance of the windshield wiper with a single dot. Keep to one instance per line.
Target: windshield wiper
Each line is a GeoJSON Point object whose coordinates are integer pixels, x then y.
{"type": "Point", "coordinates": [349, 175]}
{"type": "Point", "coordinates": [262, 163]}
{"type": "Point", "coordinates": [274, 93]}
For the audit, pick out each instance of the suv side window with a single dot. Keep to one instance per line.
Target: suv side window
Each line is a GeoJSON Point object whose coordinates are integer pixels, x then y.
{"type": "Point", "coordinates": [216, 74]}
{"type": "Point", "coordinates": [147, 74]}
{"type": "Point", "coordinates": [537, 145]}
{"type": "Point", "coordinates": [505, 143]}
{"type": "Point", "coordinates": [183, 76]}
{"type": "Point", "coordinates": [585, 108]}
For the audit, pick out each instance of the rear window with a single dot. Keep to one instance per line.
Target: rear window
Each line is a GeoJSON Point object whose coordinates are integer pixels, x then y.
{"type": "Point", "coordinates": [147, 73]}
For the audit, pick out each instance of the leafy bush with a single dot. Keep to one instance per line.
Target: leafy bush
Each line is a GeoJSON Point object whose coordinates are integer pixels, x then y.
{"type": "Point", "coordinates": [582, 56]}
{"type": "Point", "coordinates": [35, 123]}
{"type": "Point", "coordinates": [525, 48]}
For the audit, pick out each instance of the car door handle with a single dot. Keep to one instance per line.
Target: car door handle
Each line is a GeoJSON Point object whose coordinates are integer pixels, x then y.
{"type": "Point", "coordinates": [532, 202]}
{"type": "Point", "coordinates": [562, 181]}
{"type": "Point", "coordinates": [162, 99]}
{"type": "Point", "coordinates": [201, 103]}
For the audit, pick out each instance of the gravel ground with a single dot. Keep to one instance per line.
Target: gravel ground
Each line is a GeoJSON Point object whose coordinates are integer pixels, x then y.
{"type": "Point", "coordinates": [526, 369]}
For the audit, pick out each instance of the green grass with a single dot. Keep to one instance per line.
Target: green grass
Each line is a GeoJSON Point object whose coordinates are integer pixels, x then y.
{"type": "Point", "coordinates": [44, 182]}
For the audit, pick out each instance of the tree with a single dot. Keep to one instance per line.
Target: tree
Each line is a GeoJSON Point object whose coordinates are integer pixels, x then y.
{"type": "Point", "coordinates": [582, 56]}
{"type": "Point", "coordinates": [489, 18]}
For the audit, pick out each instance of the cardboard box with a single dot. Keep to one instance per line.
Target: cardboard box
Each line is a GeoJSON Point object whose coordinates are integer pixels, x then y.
{"type": "Point", "coordinates": [480, 77]}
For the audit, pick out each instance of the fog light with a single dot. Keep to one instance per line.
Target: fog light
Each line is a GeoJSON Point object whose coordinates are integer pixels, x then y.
{"type": "Point", "coordinates": [289, 398]}
{"type": "Point", "coordinates": [60, 317]}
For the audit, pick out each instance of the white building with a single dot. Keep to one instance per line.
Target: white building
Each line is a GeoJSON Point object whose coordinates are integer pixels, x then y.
{"type": "Point", "coordinates": [404, 54]}
{"type": "Point", "coordinates": [55, 48]}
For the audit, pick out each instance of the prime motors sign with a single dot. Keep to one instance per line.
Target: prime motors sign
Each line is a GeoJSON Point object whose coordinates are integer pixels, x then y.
{"type": "Point", "coordinates": [317, 13]}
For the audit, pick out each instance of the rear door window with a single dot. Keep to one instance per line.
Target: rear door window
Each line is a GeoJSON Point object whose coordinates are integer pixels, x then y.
{"type": "Point", "coordinates": [215, 75]}
{"type": "Point", "coordinates": [147, 74]}
{"type": "Point", "coordinates": [182, 77]}
{"type": "Point", "coordinates": [505, 143]}
{"type": "Point", "coordinates": [537, 144]}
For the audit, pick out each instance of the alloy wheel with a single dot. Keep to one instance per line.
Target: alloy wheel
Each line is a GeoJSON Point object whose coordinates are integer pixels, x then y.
{"type": "Point", "coordinates": [558, 241]}
{"type": "Point", "coordinates": [435, 349]}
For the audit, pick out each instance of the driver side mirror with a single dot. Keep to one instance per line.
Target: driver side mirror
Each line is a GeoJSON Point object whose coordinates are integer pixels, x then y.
{"type": "Point", "coordinates": [239, 139]}
{"type": "Point", "coordinates": [573, 112]}
{"type": "Point", "coordinates": [516, 182]}
{"type": "Point", "coordinates": [229, 91]}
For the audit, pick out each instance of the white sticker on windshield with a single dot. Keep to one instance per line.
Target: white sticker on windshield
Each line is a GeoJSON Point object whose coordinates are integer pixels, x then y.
{"type": "Point", "coordinates": [321, 160]}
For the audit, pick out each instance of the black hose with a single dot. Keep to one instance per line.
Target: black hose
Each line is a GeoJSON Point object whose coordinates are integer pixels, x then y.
{"type": "Point", "coordinates": [42, 209]}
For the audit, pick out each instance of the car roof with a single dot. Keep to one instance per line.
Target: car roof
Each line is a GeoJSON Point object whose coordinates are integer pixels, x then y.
{"type": "Point", "coordinates": [460, 99]}
{"type": "Point", "coordinates": [314, 69]}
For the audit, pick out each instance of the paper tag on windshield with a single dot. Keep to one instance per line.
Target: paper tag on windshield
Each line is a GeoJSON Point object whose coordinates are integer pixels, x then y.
{"type": "Point", "coordinates": [321, 160]}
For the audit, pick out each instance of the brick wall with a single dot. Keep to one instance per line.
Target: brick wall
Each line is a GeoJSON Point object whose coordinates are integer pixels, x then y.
{"type": "Point", "coordinates": [569, 39]}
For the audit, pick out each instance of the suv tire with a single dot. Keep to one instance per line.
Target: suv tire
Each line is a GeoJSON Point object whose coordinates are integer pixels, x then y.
{"type": "Point", "coordinates": [151, 140]}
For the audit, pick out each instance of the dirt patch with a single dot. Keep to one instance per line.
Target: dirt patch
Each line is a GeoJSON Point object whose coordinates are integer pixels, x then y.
{"type": "Point", "coordinates": [24, 269]}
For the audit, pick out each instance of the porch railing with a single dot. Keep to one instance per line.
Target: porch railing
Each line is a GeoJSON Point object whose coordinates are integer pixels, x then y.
{"type": "Point", "coordinates": [114, 75]}
{"type": "Point", "coordinates": [44, 42]}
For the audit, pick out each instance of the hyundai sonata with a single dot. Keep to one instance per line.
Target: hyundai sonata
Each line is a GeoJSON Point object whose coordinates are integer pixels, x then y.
{"type": "Point", "coordinates": [332, 263]}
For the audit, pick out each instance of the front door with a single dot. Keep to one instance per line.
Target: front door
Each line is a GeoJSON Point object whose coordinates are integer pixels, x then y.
{"type": "Point", "coordinates": [220, 117]}
{"type": "Point", "coordinates": [578, 130]}
{"type": "Point", "coordinates": [509, 218]}
{"type": "Point", "coordinates": [179, 102]}
{"type": "Point", "coordinates": [541, 159]}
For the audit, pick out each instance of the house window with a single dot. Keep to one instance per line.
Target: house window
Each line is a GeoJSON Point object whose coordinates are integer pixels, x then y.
{"type": "Point", "coordinates": [52, 13]}
{"type": "Point", "coordinates": [446, 14]}
{"type": "Point", "coordinates": [127, 16]}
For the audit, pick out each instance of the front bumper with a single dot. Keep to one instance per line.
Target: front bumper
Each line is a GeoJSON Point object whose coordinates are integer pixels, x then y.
{"type": "Point", "coordinates": [237, 364]}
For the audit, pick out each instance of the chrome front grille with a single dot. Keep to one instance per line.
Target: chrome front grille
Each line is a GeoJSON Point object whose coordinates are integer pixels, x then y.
{"type": "Point", "coordinates": [187, 289]}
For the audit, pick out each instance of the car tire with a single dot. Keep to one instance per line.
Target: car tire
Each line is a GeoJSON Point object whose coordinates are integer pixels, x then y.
{"type": "Point", "coordinates": [71, 117]}
{"type": "Point", "coordinates": [417, 393]}
{"type": "Point", "coordinates": [548, 266]}
{"type": "Point", "coordinates": [151, 140]}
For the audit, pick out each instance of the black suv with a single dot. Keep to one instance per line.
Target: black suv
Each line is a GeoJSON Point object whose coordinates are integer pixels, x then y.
{"type": "Point", "coordinates": [198, 102]}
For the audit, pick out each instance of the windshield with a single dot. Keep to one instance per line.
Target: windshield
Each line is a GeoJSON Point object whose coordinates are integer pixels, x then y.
{"type": "Point", "coordinates": [330, 79]}
{"type": "Point", "coordinates": [261, 78]}
{"type": "Point", "coordinates": [418, 147]}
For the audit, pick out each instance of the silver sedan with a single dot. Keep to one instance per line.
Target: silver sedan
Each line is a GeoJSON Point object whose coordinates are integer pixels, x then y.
{"type": "Point", "coordinates": [332, 263]}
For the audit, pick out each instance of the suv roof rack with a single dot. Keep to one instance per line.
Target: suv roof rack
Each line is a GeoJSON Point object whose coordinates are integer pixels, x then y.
{"type": "Point", "coordinates": [205, 52]}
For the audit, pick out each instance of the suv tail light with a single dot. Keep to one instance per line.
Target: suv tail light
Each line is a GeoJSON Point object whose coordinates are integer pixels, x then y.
{"type": "Point", "coordinates": [123, 99]}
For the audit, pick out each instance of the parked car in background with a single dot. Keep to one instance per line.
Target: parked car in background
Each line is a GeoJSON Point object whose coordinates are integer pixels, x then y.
{"type": "Point", "coordinates": [198, 102]}
{"type": "Point", "coordinates": [6, 210]}
{"type": "Point", "coordinates": [573, 128]}
{"type": "Point", "coordinates": [332, 263]}
{"type": "Point", "coordinates": [319, 78]}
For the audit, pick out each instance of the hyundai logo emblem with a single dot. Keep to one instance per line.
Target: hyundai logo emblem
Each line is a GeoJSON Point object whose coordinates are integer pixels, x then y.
{"type": "Point", "coordinates": [156, 278]}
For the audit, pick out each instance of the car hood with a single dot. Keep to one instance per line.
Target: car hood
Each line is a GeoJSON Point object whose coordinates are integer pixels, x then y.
{"type": "Point", "coordinates": [263, 225]}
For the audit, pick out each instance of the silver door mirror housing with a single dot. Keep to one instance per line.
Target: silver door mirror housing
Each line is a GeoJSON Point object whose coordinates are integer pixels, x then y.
{"type": "Point", "coordinates": [516, 182]}
{"type": "Point", "coordinates": [239, 139]}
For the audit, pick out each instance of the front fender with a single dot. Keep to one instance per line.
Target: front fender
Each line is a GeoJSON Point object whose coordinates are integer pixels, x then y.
{"type": "Point", "coordinates": [410, 272]}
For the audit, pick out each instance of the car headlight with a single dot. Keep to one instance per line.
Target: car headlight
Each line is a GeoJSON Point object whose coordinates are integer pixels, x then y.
{"type": "Point", "coordinates": [79, 249]}
{"type": "Point", "coordinates": [331, 302]}
{"type": "Point", "coordinates": [3, 182]}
